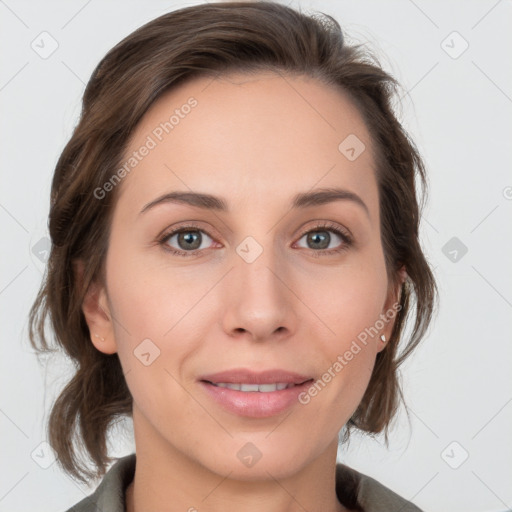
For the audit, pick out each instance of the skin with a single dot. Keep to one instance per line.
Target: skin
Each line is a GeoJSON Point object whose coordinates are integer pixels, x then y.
{"type": "Point", "coordinates": [255, 140]}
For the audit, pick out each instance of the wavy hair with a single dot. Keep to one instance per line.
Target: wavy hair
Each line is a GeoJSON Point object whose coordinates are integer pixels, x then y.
{"type": "Point", "coordinates": [208, 40]}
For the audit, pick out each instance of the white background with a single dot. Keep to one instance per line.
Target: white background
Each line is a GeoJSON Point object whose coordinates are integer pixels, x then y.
{"type": "Point", "coordinates": [458, 110]}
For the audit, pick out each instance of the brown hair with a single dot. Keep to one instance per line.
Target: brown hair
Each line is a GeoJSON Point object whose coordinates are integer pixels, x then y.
{"type": "Point", "coordinates": [207, 40]}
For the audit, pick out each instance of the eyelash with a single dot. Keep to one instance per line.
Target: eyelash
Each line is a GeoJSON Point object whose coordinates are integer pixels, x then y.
{"type": "Point", "coordinates": [327, 226]}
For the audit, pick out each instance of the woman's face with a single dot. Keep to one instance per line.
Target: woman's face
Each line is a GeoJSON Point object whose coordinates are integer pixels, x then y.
{"type": "Point", "coordinates": [260, 284]}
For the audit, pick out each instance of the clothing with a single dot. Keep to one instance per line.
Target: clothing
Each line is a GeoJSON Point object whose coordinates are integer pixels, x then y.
{"type": "Point", "coordinates": [372, 496]}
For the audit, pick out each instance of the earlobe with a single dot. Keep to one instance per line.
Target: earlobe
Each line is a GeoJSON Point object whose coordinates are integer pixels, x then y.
{"type": "Point", "coordinates": [97, 314]}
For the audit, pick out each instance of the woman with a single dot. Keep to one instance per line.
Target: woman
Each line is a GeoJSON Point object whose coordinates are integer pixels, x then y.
{"type": "Point", "coordinates": [234, 230]}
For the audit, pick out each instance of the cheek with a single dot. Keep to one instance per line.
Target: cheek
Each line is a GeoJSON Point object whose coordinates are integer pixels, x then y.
{"type": "Point", "coordinates": [349, 308]}
{"type": "Point", "coordinates": [151, 344]}
{"type": "Point", "coordinates": [349, 304]}
{"type": "Point", "coordinates": [148, 297]}
{"type": "Point", "coordinates": [349, 301]}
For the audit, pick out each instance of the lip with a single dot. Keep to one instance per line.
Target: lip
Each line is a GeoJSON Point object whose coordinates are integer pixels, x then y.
{"type": "Point", "coordinates": [255, 404]}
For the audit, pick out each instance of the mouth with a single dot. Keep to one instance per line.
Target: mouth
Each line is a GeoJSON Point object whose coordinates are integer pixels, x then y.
{"type": "Point", "coordinates": [251, 400]}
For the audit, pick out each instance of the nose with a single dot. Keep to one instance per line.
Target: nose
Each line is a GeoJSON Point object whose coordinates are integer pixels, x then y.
{"type": "Point", "coordinates": [259, 304]}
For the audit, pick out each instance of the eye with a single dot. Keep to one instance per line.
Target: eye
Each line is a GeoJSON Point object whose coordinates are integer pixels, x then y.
{"type": "Point", "coordinates": [189, 240]}
{"type": "Point", "coordinates": [319, 239]}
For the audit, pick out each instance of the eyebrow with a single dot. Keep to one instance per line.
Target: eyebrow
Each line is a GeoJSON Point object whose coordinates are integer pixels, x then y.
{"type": "Point", "coordinates": [316, 197]}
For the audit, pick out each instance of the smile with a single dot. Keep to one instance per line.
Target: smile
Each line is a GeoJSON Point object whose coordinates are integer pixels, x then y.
{"type": "Point", "coordinates": [254, 400]}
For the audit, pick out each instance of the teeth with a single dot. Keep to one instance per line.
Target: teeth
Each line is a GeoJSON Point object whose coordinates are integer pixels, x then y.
{"type": "Point", "coordinates": [262, 388]}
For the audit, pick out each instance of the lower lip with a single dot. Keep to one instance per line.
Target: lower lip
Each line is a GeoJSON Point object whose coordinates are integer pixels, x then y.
{"type": "Point", "coordinates": [255, 404]}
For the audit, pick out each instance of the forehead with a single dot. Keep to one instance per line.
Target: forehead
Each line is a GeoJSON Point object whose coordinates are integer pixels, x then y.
{"type": "Point", "coordinates": [251, 136]}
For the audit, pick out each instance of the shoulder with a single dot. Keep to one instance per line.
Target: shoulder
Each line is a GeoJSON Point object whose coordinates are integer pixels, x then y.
{"type": "Point", "coordinates": [110, 494]}
{"type": "Point", "coordinates": [372, 496]}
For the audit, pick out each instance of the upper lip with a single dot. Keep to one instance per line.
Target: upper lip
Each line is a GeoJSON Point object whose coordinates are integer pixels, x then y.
{"type": "Point", "coordinates": [244, 376]}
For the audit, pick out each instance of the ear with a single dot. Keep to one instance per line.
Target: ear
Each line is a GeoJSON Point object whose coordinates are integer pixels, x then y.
{"type": "Point", "coordinates": [97, 313]}
{"type": "Point", "coordinates": [393, 298]}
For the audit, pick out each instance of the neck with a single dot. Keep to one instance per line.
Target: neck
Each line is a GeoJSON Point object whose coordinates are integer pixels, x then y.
{"type": "Point", "coordinates": [278, 495]}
